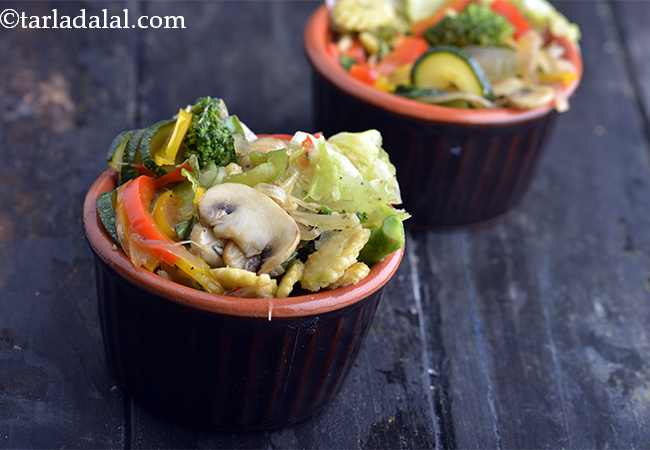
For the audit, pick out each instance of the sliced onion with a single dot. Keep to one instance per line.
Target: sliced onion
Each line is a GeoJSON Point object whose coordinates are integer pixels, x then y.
{"type": "Point", "coordinates": [452, 96]}
{"type": "Point", "coordinates": [326, 222]}
{"type": "Point", "coordinates": [308, 233]}
{"type": "Point", "coordinates": [529, 47]}
{"type": "Point", "coordinates": [276, 193]}
{"type": "Point", "coordinates": [315, 207]}
{"type": "Point", "coordinates": [497, 62]}
{"type": "Point", "coordinates": [267, 144]}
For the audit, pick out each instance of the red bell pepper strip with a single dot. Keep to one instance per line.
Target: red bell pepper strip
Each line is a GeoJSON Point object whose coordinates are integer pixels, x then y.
{"type": "Point", "coordinates": [142, 170]}
{"type": "Point", "coordinates": [512, 14]}
{"type": "Point", "coordinates": [407, 51]}
{"type": "Point", "coordinates": [135, 197]}
{"type": "Point", "coordinates": [308, 143]}
{"type": "Point", "coordinates": [420, 27]}
{"type": "Point", "coordinates": [175, 176]}
{"type": "Point", "coordinates": [284, 137]}
{"type": "Point", "coordinates": [356, 52]}
{"type": "Point", "coordinates": [333, 50]}
{"type": "Point", "coordinates": [364, 73]}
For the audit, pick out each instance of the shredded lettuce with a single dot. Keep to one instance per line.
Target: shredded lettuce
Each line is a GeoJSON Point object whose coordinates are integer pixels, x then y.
{"type": "Point", "coordinates": [351, 173]}
{"type": "Point", "coordinates": [366, 153]}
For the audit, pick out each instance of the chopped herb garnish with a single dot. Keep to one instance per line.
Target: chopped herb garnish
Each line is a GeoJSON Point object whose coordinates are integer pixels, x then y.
{"type": "Point", "coordinates": [347, 61]}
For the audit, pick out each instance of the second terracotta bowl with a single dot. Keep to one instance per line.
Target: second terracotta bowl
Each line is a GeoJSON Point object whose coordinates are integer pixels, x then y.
{"type": "Point", "coordinates": [455, 166]}
{"type": "Point", "coordinates": [224, 362]}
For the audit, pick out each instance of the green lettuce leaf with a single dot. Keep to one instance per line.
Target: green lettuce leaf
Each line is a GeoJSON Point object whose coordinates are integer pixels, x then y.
{"type": "Point", "coordinates": [351, 173]}
{"type": "Point", "coordinates": [371, 160]}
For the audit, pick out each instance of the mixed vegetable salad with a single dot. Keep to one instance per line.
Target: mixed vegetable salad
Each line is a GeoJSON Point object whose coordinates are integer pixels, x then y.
{"type": "Point", "coordinates": [203, 201]}
{"type": "Point", "coordinates": [458, 53]}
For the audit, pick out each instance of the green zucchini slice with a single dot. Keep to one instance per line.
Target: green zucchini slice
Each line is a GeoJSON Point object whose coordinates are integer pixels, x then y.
{"type": "Point", "coordinates": [154, 138]}
{"type": "Point", "coordinates": [131, 157]}
{"type": "Point", "coordinates": [116, 150]}
{"type": "Point", "coordinates": [383, 241]}
{"type": "Point", "coordinates": [106, 214]}
{"type": "Point", "coordinates": [450, 69]}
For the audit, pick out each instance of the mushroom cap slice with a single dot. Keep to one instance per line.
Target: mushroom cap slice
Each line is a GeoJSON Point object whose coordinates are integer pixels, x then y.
{"type": "Point", "coordinates": [252, 220]}
{"type": "Point", "coordinates": [206, 245]}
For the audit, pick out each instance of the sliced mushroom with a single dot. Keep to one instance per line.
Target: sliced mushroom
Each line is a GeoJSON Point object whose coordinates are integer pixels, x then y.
{"type": "Point", "coordinates": [206, 245]}
{"type": "Point", "coordinates": [531, 97]}
{"type": "Point", "coordinates": [507, 86]}
{"type": "Point", "coordinates": [520, 94]}
{"type": "Point", "coordinates": [251, 220]}
{"type": "Point", "coordinates": [234, 257]}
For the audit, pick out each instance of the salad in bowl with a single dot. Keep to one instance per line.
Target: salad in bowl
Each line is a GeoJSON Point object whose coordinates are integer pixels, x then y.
{"type": "Point", "coordinates": [203, 201]}
{"type": "Point", "coordinates": [475, 54]}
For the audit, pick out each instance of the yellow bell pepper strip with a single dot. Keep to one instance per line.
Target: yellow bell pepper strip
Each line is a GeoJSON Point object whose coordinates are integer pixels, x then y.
{"type": "Point", "coordinates": [383, 84]}
{"type": "Point", "coordinates": [164, 212]}
{"type": "Point", "coordinates": [196, 186]}
{"type": "Point", "coordinates": [134, 199]}
{"type": "Point", "coordinates": [167, 155]}
{"type": "Point", "coordinates": [401, 75]}
{"type": "Point", "coordinates": [563, 78]}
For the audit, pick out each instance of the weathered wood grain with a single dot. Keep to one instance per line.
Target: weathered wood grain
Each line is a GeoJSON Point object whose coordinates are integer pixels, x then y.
{"type": "Point", "coordinates": [544, 313]}
{"type": "Point", "coordinates": [631, 19]}
{"type": "Point", "coordinates": [529, 333]}
{"type": "Point", "coordinates": [64, 95]}
{"type": "Point", "coordinates": [250, 53]}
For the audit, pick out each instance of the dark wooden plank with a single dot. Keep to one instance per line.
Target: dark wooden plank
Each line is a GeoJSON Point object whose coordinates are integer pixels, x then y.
{"type": "Point", "coordinates": [543, 315]}
{"type": "Point", "coordinates": [64, 95]}
{"type": "Point", "coordinates": [386, 401]}
{"type": "Point", "coordinates": [465, 396]}
{"type": "Point", "coordinates": [631, 19]}
{"type": "Point", "coordinates": [251, 54]}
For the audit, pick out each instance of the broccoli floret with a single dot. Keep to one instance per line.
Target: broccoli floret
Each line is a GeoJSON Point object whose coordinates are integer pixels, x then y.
{"type": "Point", "coordinates": [475, 25]}
{"type": "Point", "coordinates": [208, 137]}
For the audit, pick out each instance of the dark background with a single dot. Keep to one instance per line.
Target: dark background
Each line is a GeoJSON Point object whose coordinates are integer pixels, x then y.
{"type": "Point", "coordinates": [530, 333]}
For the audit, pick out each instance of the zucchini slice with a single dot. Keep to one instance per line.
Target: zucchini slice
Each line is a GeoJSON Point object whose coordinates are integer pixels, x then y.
{"type": "Point", "coordinates": [450, 69]}
{"type": "Point", "coordinates": [106, 214]}
{"type": "Point", "coordinates": [451, 99]}
{"type": "Point", "coordinates": [383, 241]}
{"type": "Point", "coordinates": [128, 171]}
{"type": "Point", "coordinates": [116, 150]}
{"type": "Point", "coordinates": [155, 137]}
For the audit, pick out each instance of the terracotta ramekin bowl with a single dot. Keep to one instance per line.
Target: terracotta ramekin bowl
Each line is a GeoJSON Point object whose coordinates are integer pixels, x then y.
{"type": "Point", "coordinates": [217, 361]}
{"type": "Point", "coordinates": [455, 166]}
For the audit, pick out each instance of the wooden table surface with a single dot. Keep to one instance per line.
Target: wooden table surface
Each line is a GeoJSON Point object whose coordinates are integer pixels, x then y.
{"type": "Point", "coordinates": [530, 333]}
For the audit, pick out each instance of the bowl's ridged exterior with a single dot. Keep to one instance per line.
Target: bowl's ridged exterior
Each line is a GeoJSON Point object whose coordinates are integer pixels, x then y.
{"type": "Point", "coordinates": [450, 174]}
{"type": "Point", "coordinates": [226, 372]}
